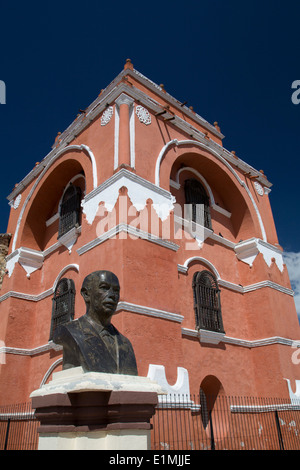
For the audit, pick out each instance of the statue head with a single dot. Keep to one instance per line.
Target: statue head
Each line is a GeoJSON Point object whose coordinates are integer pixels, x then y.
{"type": "Point", "coordinates": [101, 293]}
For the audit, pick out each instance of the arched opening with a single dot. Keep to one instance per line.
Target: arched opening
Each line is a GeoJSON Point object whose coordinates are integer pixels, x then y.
{"type": "Point", "coordinates": [214, 408]}
{"type": "Point", "coordinates": [37, 232]}
{"type": "Point", "coordinates": [223, 199]}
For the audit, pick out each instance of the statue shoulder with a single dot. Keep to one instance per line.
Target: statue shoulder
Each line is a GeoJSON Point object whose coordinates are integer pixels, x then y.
{"type": "Point", "coordinates": [67, 331]}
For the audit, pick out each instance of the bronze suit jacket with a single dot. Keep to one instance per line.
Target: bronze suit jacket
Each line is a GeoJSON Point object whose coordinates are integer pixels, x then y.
{"type": "Point", "coordinates": [104, 350]}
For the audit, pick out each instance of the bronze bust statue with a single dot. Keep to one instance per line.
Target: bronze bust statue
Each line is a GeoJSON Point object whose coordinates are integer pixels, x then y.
{"type": "Point", "coordinates": [91, 341]}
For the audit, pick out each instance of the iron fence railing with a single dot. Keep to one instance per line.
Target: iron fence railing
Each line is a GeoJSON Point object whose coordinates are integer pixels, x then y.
{"type": "Point", "coordinates": [189, 423]}
{"type": "Point", "coordinates": [225, 423]}
{"type": "Point", "coordinates": [18, 427]}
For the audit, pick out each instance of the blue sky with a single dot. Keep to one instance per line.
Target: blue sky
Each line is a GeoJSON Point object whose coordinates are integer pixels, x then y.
{"type": "Point", "coordinates": [233, 61]}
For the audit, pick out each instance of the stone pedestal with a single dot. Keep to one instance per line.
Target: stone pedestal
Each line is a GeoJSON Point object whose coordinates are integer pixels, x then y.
{"type": "Point", "coordinates": [94, 411]}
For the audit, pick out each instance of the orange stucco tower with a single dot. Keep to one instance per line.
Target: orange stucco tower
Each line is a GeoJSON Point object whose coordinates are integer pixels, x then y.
{"type": "Point", "coordinates": [141, 185]}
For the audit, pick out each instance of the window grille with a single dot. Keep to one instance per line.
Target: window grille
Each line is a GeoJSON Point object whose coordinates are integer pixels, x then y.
{"type": "Point", "coordinates": [62, 304]}
{"type": "Point", "coordinates": [70, 210]}
{"type": "Point", "coordinates": [207, 303]}
{"type": "Point", "coordinates": [196, 196]}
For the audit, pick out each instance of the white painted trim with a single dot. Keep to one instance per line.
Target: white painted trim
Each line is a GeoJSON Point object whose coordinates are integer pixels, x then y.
{"type": "Point", "coordinates": [210, 336]}
{"type": "Point", "coordinates": [181, 388]}
{"type": "Point", "coordinates": [69, 239]}
{"type": "Point", "coordinates": [31, 260]}
{"type": "Point", "coordinates": [44, 171]}
{"type": "Point", "coordinates": [116, 138]}
{"type": "Point", "coordinates": [184, 268]}
{"type": "Point", "coordinates": [295, 405]}
{"type": "Point", "coordinates": [24, 296]}
{"type": "Point", "coordinates": [42, 295]}
{"type": "Point", "coordinates": [31, 352]}
{"type": "Point", "coordinates": [63, 271]}
{"type": "Point", "coordinates": [132, 135]}
{"type": "Point", "coordinates": [149, 311]}
{"type": "Point", "coordinates": [124, 99]}
{"type": "Point", "coordinates": [230, 285]}
{"type": "Point", "coordinates": [221, 282]}
{"type": "Point", "coordinates": [131, 230]}
{"type": "Point", "coordinates": [139, 191]}
{"type": "Point", "coordinates": [246, 250]}
{"type": "Point", "coordinates": [52, 219]}
{"type": "Point", "coordinates": [221, 158]}
{"type": "Point", "coordinates": [50, 370]}
{"type": "Point", "coordinates": [216, 337]}
{"type": "Point", "coordinates": [174, 184]}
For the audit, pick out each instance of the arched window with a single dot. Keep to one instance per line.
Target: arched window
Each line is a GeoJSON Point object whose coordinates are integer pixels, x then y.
{"type": "Point", "coordinates": [196, 196]}
{"type": "Point", "coordinates": [70, 210]}
{"type": "Point", "coordinates": [207, 303]}
{"type": "Point", "coordinates": [62, 304]}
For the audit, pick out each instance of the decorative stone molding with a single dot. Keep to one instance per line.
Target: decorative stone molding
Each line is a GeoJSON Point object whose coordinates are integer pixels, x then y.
{"type": "Point", "coordinates": [196, 231]}
{"type": "Point", "coordinates": [294, 395]}
{"type": "Point", "coordinates": [131, 231]}
{"type": "Point", "coordinates": [215, 338]}
{"type": "Point", "coordinates": [143, 115]}
{"type": "Point", "coordinates": [139, 191]}
{"type": "Point", "coordinates": [17, 201]}
{"type": "Point", "coordinates": [70, 238]}
{"type": "Point", "coordinates": [122, 99]}
{"type": "Point", "coordinates": [231, 285]}
{"type": "Point", "coordinates": [258, 187]}
{"type": "Point", "coordinates": [30, 260]}
{"type": "Point", "coordinates": [210, 337]}
{"type": "Point", "coordinates": [4, 244]}
{"type": "Point", "coordinates": [247, 251]}
{"type": "Point", "coordinates": [152, 312]}
{"type": "Point", "coordinates": [181, 388]}
{"type": "Point", "coordinates": [33, 351]}
{"type": "Point", "coordinates": [107, 115]}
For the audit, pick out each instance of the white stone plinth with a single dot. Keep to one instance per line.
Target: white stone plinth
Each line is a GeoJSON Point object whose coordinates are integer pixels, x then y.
{"type": "Point", "coordinates": [76, 380]}
{"type": "Point", "coordinates": [95, 411]}
{"type": "Point", "coordinates": [128, 439]}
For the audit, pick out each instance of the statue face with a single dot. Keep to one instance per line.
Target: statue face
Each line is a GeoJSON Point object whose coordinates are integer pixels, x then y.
{"type": "Point", "coordinates": [101, 292]}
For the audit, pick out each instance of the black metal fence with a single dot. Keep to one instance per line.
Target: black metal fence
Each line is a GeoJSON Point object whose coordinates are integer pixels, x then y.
{"type": "Point", "coordinates": [226, 423]}
{"type": "Point", "coordinates": [18, 427]}
{"type": "Point", "coordinates": [189, 423]}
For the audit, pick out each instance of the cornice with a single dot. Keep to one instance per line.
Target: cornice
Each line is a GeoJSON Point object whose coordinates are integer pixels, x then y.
{"type": "Point", "coordinates": [108, 97]}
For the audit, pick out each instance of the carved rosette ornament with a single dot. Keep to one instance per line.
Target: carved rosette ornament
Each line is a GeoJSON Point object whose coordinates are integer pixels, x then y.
{"type": "Point", "coordinates": [17, 201]}
{"type": "Point", "coordinates": [143, 115]}
{"type": "Point", "coordinates": [106, 116]}
{"type": "Point", "coordinates": [259, 188]}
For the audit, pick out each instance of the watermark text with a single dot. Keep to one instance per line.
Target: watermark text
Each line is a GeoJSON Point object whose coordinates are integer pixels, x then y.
{"type": "Point", "coordinates": [2, 92]}
{"type": "Point", "coordinates": [296, 94]}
